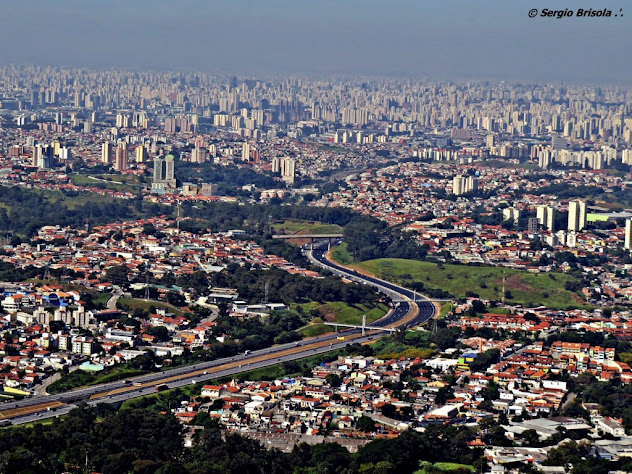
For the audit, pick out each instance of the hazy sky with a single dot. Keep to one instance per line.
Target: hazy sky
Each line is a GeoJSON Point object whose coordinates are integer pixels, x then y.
{"type": "Point", "coordinates": [439, 39]}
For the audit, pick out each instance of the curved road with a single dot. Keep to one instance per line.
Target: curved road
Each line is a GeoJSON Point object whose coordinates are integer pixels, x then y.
{"type": "Point", "coordinates": [426, 309]}
{"type": "Point", "coordinates": [405, 314]}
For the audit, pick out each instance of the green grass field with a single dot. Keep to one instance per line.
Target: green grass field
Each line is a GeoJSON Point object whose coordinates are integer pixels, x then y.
{"type": "Point", "coordinates": [426, 467]}
{"type": "Point", "coordinates": [339, 312]}
{"type": "Point", "coordinates": [120, 178]}
{"type": "Point", "coordinates": [79, 378]}
{"type": "Point", "coordinates": [445, 309]}
{"type": "Point", "coordinates": [109, 181]}
{"type": "Point", "coordinates": [528, 289]}
{"type": "Point", "coordinates": [135, 303]}
{"type": "Point", "coordinates": [314, 330]}
{"type": "Point", "coordinates": [452, 467]}
{"type": "Point", "coordinates": [341, 255]}
{"type": "Point", "coordinates": [307, 227]}
{"type": "Point", "coordinates": [72, 202]}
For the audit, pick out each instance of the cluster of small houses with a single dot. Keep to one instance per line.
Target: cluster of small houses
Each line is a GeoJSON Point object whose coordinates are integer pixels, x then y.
{"type": "Point", "coordinates": [284, 412]}
{"type": "Point", "coordinates": [166, 250]}
{"type": "Point", "coordinates": [36, 350]}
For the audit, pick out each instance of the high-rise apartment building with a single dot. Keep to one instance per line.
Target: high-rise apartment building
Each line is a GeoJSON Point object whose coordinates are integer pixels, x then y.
{"type": "Point", "coordinates": [276, 164]}
{"type": "Point", "coordinates": [170, 125]}
{"type": "Point", "coordinates": [546, 217]}
{"type": "Point", "coordinates": [245, 152]}
{"type": "Point", "coordinates": [288, 169]}
{"type": "Point", "coordinates": [198, 155]}
{"type": "Point", "coordinates": [164, 172]}
{"type": "Point", "coordinates": [576, 215]}
{"type": "Point", "coordinates": [511, 214]}
{"type": "Point", "coordinates": [106, 153]}
{"type": "Point", "coordinates": [120, 163]}
{"type": "Point", "coordinates": [559, 143]}
{"type": "Point", "coordinates": [141, 154]}
{"type": "Point", "coordinates": [464, 184]}
{"type": "Point", "coordinates": [43, 156]}
{"type": "Point", "coordinates": [532, 225]}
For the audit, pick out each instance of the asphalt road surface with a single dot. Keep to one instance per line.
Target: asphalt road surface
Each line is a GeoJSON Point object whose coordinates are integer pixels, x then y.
{"type": "Point", "coordinates": [404, 314]}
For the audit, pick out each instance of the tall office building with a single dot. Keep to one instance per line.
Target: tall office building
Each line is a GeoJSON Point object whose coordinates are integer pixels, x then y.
{"type": "Point", "coordinates": [628, 235]}
{"type": "Point", "coordinates": [576, 215]}
{"type": "Point", "coordinates": [164, 172]}
{"type": "Point", "coordinates": [106, 153]}
{"type": "Point", "coordinates": [546, 217]}
{"type": "Point", "coordinates": [120, 163]}
{"type": "Point", "coordinates": [43, 156]}
{"type": "Point", "coordinates": [559, 143]}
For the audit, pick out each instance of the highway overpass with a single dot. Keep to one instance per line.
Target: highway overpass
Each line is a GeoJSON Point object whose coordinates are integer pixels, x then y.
{"type": "Point", "coordinates": [404, 314]}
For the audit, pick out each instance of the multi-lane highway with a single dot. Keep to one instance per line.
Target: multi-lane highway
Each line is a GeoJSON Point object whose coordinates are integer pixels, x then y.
{"type": "Point", "coordinates": [404, 314]}
{"type": "Point", "coordinates": [426, 308]}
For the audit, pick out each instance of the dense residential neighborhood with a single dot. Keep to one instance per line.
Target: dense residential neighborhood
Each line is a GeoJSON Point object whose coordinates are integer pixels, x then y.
{"type": "Point", "coordinates": [309, 275]}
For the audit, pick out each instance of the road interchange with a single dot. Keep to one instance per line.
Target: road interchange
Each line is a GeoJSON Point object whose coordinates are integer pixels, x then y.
{"type": "Point", "coordinates": [403, 315]}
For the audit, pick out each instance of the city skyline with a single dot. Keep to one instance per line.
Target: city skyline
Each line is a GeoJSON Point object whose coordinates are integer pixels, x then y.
{"type": "Point", "coordinates": [397, 39]}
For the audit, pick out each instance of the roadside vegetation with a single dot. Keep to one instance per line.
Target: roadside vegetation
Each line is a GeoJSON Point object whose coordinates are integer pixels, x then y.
{"type": "Point", "coordinates": [486, 282]}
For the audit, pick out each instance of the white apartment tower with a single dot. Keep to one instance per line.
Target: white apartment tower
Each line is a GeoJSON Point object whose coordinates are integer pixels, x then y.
{"type": "Point", "coordinates": [288, 169]}
{"type": "Point", "coordinates": [106, 153]}
{"type": "Point", "coordinates": [576, 215]}
{"type": "Point", "coordinates": [546, 217]}
{"type": "Point", "coordinates": [245, 152]}
{"type": "Point", "coordinates": [463, 185]}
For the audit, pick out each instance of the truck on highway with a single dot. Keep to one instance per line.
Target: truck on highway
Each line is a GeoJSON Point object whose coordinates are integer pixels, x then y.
{"type": "Point", "coordinates": [161, 386]}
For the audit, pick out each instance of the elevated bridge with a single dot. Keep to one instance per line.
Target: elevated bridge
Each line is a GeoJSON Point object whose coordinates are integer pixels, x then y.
{"type": "Point", "coordinates": [307, 236]}
{"type": "Point", "coordinates": [362, 326]}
